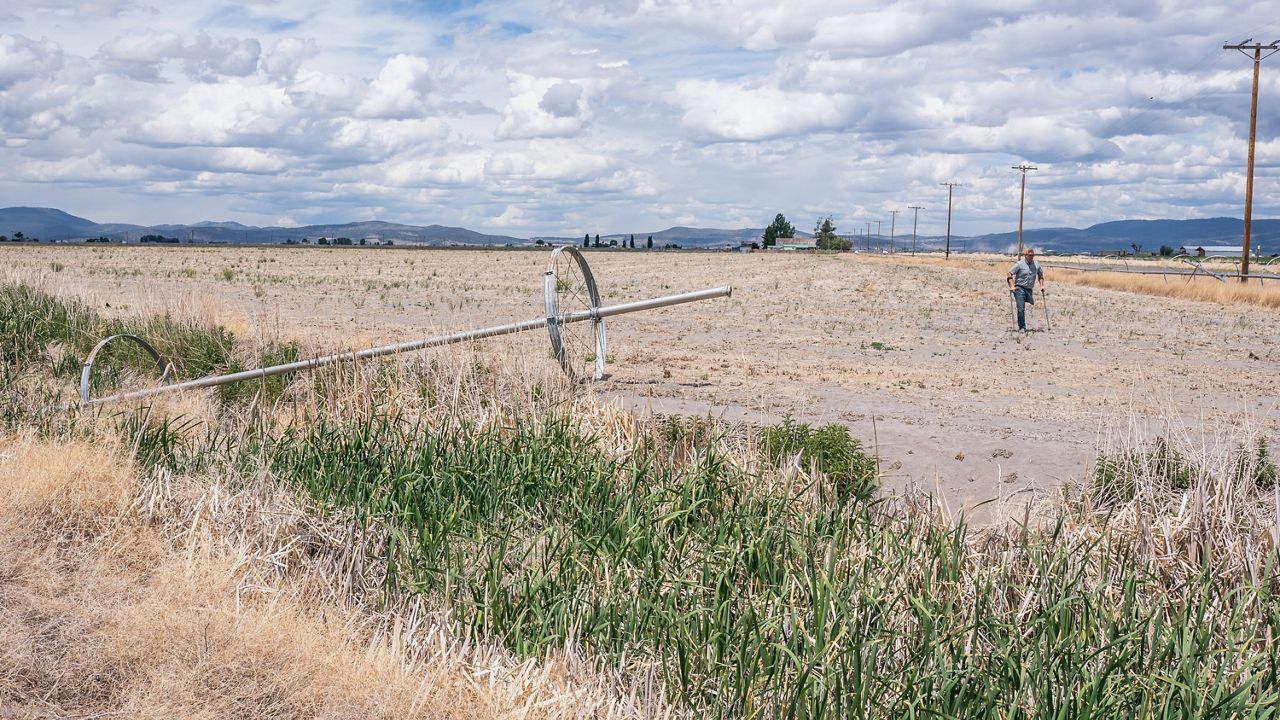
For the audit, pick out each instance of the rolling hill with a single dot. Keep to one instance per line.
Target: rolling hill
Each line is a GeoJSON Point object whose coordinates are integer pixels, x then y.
{"type": "Point", "coordinates": [50, 224]}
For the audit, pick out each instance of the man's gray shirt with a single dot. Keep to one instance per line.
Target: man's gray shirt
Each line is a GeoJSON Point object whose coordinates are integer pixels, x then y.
{"type": "Point", "coordinates": [1024, 274]}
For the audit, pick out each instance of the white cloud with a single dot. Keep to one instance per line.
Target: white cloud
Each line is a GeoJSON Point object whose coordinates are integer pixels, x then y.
{"type": "Point", "coordinates": [543, 107]}
{"type": "Point", "coordinates": [144, 54]}
{"type": "Point", "coordinates": [141, 55]}
{"type": "Point", "coordinates": [730, 111]}
{"type": "Point", "coordinates": [24, 59]}
{"type": "Point", "coordinates": [222, 114]}
{"type": "Point", "coordinates": [206, 58]}
{"type": "Point", "coordinates": [400, 90]}
{"type": "Point", "coordinates": [633, 113]}
{"type": "Point", "coordinates": [286, 57]}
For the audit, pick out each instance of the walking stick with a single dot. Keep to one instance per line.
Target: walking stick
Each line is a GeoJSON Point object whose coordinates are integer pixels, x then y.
{"type": "Point", "coordinates": [1013, 314]}
{"type": "Point", "coordinates": [1045, 299]}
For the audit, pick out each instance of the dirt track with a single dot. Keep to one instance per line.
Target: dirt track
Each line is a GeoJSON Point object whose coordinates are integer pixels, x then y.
{"type": "Point", "coordinates": [959, 403]}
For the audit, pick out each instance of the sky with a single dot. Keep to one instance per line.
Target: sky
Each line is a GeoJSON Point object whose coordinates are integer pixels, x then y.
{"type": "Point", "coordinates": [564, 117]}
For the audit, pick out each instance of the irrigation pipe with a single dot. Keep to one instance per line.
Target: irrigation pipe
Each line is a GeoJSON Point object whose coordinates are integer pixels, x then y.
{"type": "Point", "coordinates": [412, 345]}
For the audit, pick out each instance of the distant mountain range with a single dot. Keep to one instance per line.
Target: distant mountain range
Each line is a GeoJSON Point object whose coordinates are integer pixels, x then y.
{"type": "Point", "coordinates": [49, 224]}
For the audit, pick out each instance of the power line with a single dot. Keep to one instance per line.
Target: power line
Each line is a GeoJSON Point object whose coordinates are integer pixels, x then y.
{"type": "Point", "coordinates": [950, 186]}
{"type": "Point", "coordinates": [915, 223]}
{"type": "Point", "coordinates": [1258, 57]}
{"type": "Point", "coordinates": [1021, 199]}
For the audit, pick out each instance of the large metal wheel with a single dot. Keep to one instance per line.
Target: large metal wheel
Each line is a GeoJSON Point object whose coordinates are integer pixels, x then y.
{"type": "Point", "coordinates": [570, 290]}
{"type": "Point", "coordinates": [86, 377]}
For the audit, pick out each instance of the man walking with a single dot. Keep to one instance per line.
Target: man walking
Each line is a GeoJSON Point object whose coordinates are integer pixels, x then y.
{"type": "Point", "coordinates": [1022, 283]}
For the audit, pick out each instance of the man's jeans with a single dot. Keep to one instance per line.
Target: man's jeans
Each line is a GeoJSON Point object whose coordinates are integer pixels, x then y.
{"type": "Point", "coordinates": [1023, 295]}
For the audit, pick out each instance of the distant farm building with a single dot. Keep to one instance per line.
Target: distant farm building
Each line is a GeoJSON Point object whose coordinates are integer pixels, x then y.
{"type": "Point", "coordinates": [1214, 250]}
{"type": "Point", "coordinates": [795, 245]}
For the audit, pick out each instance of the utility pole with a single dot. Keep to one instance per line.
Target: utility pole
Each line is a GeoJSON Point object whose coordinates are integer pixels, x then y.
{"type": "Point", "coordinates": [950, 186]}
{"type": "Point", "coordinates": [868, 236]}
{"type": "Point", "coordinates": [893, 223]}
{"type": "Point", "coordinates": [915, 223]}
{"type": "Point", "coordinates": [1257, 49]}
{"type": "Point", "coordinates": [878, 235]}
{"type": "Point", "coordinates": [1021, 199]}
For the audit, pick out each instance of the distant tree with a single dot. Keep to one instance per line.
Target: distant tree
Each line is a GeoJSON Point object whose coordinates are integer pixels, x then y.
{"type": "Point", "coordinates": [1136, 247]}
{"type": "Point", "coordinates": [539, 242]}
{"type": "Point", "coordinates": [3, 238]}
{"type": "Point", "coordinates": [1166, 251]}
{"type": "Point", "coordinates": [362, 241]}
{"type": "Point", "coordinates": [825, 237]}
{"type": "Point", "coordinates": [779, 228]}
{"type": "Point", "coordinates": [633, 241]}
{"type": "Point", "coordinates": [597, 244]}
{"type": "Point", "coordinates": [586, 240]}
{"type": "Point", "coordinates": [613, 243]}
{"type": "Point", "coordinates": [19, 237]}
{"type": "Point", "coordinates": [323, 241]}
{"type": "Point", "coordinates": [649, 243]}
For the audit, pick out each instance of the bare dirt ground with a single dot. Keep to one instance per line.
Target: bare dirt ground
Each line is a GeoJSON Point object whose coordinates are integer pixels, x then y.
{"type": "Point", "coordinates": [913, 354]}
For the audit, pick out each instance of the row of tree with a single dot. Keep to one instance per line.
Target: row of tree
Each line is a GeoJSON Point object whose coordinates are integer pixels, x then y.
{"type": "Point", "coordinates": [587, 243]}
{"type": "Point", "coordinates": [824, 234]}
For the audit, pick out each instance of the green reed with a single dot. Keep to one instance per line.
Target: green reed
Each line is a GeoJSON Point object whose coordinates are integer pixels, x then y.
{"type": "Point", "coordinates": [52, 336]}
{"type": "Point", "coordinates": [745, 595]}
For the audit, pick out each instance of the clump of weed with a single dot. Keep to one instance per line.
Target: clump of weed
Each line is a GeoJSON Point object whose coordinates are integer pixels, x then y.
{"type": "Point", "coordinates": [688, 432]}
{"type": "Point", "coordinates": [828, 449]}
{"type": "Point", "coordinates": [1117, 477]}
{"type": "Point", "coordinates": [1256, 466]}
{"type": "Point", "coordinates": [52, 336]}
{"type": "Point", "coordinates": [266, 389]}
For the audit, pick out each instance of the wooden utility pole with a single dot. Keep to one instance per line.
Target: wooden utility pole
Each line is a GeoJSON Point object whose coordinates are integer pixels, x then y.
{"type": "Point", "coordinates": [868, 236]}
{"type": "Point", "coordinates": [893, 224]}
{"type": "Point", "coordinates": [1021, 199]}
{"type": "Point", "coordinates": [915, 223]}
{"type": "Point", "coordinates": [879, 237]}
{"type": "Point", "coordinates": [1257, 49]}
{"type": "Point", "coordinates": [950, 186]}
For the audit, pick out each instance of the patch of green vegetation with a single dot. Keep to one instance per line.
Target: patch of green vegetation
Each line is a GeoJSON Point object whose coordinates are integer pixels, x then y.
{"type": "Point", "coordinates": [828, 449]}
{"type": "Point", "coordinates": [265, 389]}
{"type": "Point", "coordinates": [688, 432]}
{"type": "Point", "coordinates": [1256, 466]}
{"type": "Point", "coordinates": [1116, 478]}
{"type": "Point", "coordinates": [43, 334]}
{"type": "Point", "coordinates": [750, 600]}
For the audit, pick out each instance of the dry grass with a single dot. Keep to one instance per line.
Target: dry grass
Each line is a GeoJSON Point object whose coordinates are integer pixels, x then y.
{"type": "Point", "coordinates": [162, 599]}
{"type": "Point", "coordinates": [1231, 292]}
{"type": "Point", "coordinates": [1204, 289]}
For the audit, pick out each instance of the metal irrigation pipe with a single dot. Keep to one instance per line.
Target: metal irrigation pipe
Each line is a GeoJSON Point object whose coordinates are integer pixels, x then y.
{"type": "Point", "coordinates": [436, 341]}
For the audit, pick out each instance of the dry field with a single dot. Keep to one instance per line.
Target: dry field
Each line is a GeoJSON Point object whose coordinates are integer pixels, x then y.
{"type": "Point", "coordinates": [465, 533]}
{"type": "Point", "coordinates": [915, 355]}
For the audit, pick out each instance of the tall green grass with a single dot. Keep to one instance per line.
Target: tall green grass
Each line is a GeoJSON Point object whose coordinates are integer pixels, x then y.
{"type": "Point", "coordinates": [766, 595]}
{"type": "Point", "coordinates": [51, 336]}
